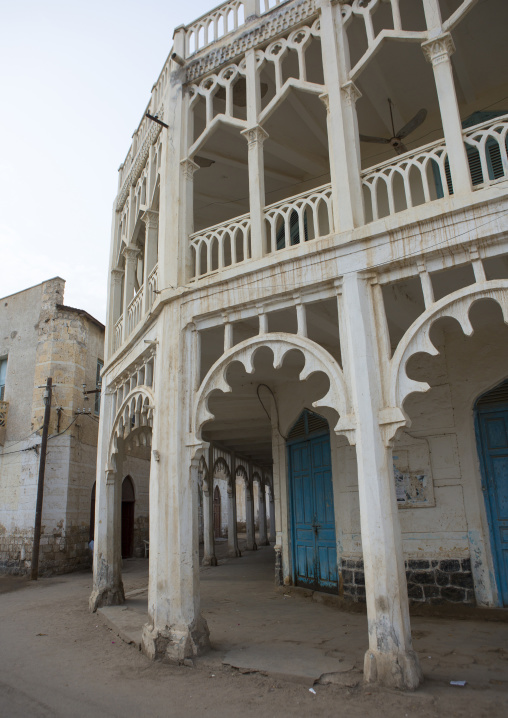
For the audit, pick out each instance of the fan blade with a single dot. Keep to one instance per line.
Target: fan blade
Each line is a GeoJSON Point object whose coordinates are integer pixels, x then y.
{"type": "Point", "coordinates": [379, 140]}
{"type": "Point", "coordinates": [412, 124]}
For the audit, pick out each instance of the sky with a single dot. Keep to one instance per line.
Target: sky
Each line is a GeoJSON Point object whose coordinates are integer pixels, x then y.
{"type": "Point", "coordinates": [75, 79]}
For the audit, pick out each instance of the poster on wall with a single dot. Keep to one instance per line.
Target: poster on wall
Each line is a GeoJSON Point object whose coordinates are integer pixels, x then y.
{"type": "Point", "coordinates": [412, 474]}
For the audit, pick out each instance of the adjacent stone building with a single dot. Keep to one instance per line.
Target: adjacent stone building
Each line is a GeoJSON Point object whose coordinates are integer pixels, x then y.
{"type": "Point", "coordinates": [41, 337]}
{"type": "Point", "coordinates": [308, 295]}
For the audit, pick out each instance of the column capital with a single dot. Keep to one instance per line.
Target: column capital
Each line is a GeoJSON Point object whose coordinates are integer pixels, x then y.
{"type": "Point", "coordinates": [351, 93]}
{"type": "Point", "coordinates": [151, 219]}
{"type": "Point", "coordinates": [255, 135]}
{"type": "Point", "coordinates": [117, 275]}
{"type": "Point", "coordinates": [130, 253]}
{"type": "Point", "coordinates": [439, 49]}
{"type": "Point", "coordinates": [325, 100]}
{"type": "Point", "coordinates": [189, 167]}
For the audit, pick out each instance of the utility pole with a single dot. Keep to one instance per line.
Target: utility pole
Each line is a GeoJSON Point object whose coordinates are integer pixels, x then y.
{"type": "Point", "coordinates": [40, 486]}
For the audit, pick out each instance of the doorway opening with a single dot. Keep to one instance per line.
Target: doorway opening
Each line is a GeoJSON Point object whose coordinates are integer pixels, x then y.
{"type": "Point", "coordinates": [128, 501]}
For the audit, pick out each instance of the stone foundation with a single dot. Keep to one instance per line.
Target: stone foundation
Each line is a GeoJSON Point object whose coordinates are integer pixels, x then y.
{"type": "Point", "coordinates": [62, 551]}
{"type": "Point", "coordinates": [433, 581]}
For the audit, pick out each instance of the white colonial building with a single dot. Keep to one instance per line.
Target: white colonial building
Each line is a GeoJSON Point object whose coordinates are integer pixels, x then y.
{"type": "Point", "coordinates": [309, 295]}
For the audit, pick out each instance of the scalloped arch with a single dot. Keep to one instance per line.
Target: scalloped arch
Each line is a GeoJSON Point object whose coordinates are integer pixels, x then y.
{"type": "Point", "coordinates": [417, 338]}
{"type": "Point", "coordinates": [317, 359]}
{"type": "Point", "coordinates": [118, 424]}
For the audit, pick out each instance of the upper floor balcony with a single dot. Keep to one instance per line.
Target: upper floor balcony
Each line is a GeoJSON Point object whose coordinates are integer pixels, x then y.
{"type": "Point", "coordinates": [302, 120]}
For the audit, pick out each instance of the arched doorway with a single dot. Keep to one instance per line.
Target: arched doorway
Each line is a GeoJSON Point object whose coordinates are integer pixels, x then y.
{"type": "Point", "coordinates": [128, 501]}
{"type": "Point", "coordinates": [312, 513]}
{"type": "Point", "coordinates": [216, 512]}
{"type": "Point", "coordinates": [491, 414]}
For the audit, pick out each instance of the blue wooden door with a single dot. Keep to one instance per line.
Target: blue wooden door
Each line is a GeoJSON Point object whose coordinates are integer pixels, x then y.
{"type": "Point", "coordinates": [313, 519]}
{"type": "Point", "coordinates": [493, 436]}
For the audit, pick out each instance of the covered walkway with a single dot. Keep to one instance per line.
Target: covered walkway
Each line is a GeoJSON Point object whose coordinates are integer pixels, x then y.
{"type": "Point", "coordinates": [295, 635]}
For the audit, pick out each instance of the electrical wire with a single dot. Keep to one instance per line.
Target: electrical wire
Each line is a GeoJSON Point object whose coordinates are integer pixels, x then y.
{"type": "Point", "coordinates": [265, 409]}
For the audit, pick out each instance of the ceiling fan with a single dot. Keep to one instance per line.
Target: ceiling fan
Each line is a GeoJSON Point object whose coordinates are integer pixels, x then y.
{"type": "Point", "coordinates": [396, 140]}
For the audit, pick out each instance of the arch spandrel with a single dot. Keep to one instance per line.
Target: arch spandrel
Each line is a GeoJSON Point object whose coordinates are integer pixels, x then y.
{"type": "Point", "coordinates": [120, 426]}
{"type": "Point", "coordinates": [417, 338]}
{"type": "Point", "coordinates": [317, 359]}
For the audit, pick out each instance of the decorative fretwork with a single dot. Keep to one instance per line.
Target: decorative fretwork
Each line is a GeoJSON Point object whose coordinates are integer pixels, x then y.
{"type": "Point", "coordinates": [301, 218]}
{"type": "Point", "coordinates": [214, 25]}
{"type": "Point", "coordinates": [275, 24]}
{"type": "Point", "coordinates": [220, 246]}
{"type": "Point", "coordinates": [487, 152]}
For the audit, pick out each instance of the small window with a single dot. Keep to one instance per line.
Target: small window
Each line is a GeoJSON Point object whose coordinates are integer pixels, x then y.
{"type": "Point", "coordinates": [3, 372]}
{"type": "Point", "coordinates": [100, 366]}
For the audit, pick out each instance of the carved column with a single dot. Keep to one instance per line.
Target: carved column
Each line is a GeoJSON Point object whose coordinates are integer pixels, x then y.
{"type": "Point", "coordinates": [255, 138]}
{"type": "Point", "coordinates": [131, 261]}
{"type": "Point", "coordinates": [233, 549]}
{"type": "Point", "coordinates": [209, 558]}
{"type": "Point", "coordinates": [107, 561]}
{"type": "Point", "coordinates": [390, 659]}
{"type": "Point", "coordinates": [188, 168]}
{"type": "Point", "coordinates": [343, 138]}
{"type": "Point", "coordinates": [249, 515]}
{"type": "Point", "coordinates": [263, 538]}
{"type": "Point", "coordinates": [151, 220]}
{"type": "Point", "coordinates": [271, 534]}
{"type": "Point", "coordinates": [438, 51]}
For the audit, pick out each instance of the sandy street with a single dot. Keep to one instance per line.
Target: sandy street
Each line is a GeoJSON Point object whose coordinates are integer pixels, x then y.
{"type": "Point", "coordinates": [56, 659]}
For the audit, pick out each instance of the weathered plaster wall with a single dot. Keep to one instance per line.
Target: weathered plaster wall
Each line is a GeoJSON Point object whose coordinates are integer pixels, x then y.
{"type": "Point", "coordinates": [65, 344]}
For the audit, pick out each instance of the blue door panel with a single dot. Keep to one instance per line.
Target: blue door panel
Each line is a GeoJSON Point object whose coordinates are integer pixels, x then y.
{"type": "Point", "coordinates": [313, 519]}
{"type": "Point", "coordinates": [496, 433]}
{"type": "Point", "coordinates": [493, 435]}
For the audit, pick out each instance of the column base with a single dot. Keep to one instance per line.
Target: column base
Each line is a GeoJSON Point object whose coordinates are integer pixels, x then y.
{"type": "Point", "coordinates": [251, 547]}
{"type": "Point", "coordinates": [234, 553]}
{"type": "Point", "coordinates": [175, 645]}
{"type": "Point", "coordinates": [106, 597]}
{"type": "Point", "coordinates": [393, 670]}
{"type": "Point", "coordinates": [209, 561]}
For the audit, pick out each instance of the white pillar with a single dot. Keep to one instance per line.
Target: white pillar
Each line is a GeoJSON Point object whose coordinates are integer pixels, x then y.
{"type": "Point", "coordinates": [255, 137]}
{"type": "Point", "coordinates": [343, 138]}
{"type": "Point", "coordinates": [209, 558]}
{"type": "Point", "coordinates": [107, 587]}
{"type": "Point", "coordinates": [151, 220]}
{"type": "Point", "coordinates": [263, 538]}
{"type": "Point", "coordinates": [187, 210]}
{"type": "Point", "coordinates": [233, 549]}
{"type": "Point", "coordinates": [390, 659]}
{"type": "Point", "coordinates": [271, 535]}
{"type": "Point", "coordinates": [438, 50]}
{"type": "Point", "coordinates": [131, 261]}
{"type": "Point", "coordinates": [249, 516]}
{"type": "Point", "coordinates": [175, 630]}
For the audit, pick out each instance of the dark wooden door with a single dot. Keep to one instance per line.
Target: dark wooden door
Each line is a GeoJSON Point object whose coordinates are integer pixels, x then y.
{"type": "Point", "coordinates": [127, 529]}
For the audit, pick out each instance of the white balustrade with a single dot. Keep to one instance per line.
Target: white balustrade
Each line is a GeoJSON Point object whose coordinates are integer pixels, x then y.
{"type": "Point", "coordinates": [413, 178]}
{"type": "Point", "coordinates": [266, 5]}
{"type": "Point", "coordinates": [214, 25]}
{"type": "Point", "coordinates": [117, 342]}
{"type": "Point", "coordinates": [135, 311]}
{"type": "Point", "coordinates": [152, 286]}
{"type": "Point", "coordinates": [487, 151]}
{"type": "Point", "coordinates": [306, 216]}
{"type": "Point", "coordinates": [220, 246]}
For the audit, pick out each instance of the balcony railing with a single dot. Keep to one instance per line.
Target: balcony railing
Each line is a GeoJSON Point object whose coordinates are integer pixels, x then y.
{"type": "Point", "coordinates": [117, 340]}
{"type": "Point", "coordinates": [423, 175]}
{"type": "Point", "coordinates": [220, 246]}
{"type": "Point", "coordinates": [214, 25]}
{"type": "Point", "coordinates": [4, 410]}
{"type": "Point", "coordinates": [412, 179]}
{"type": "Point", "coordinates": [152, 286]}
{"type": "Point", "coordinates": [306, 216]}
{"type": "Point", "coordinates": [135, 311]}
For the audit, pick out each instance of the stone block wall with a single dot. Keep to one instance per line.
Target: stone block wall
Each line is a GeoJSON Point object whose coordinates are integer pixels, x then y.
{"type": "Point", "coordinates": [61, 551]}
{"type": "Point", "coordinates": [434, 581]}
